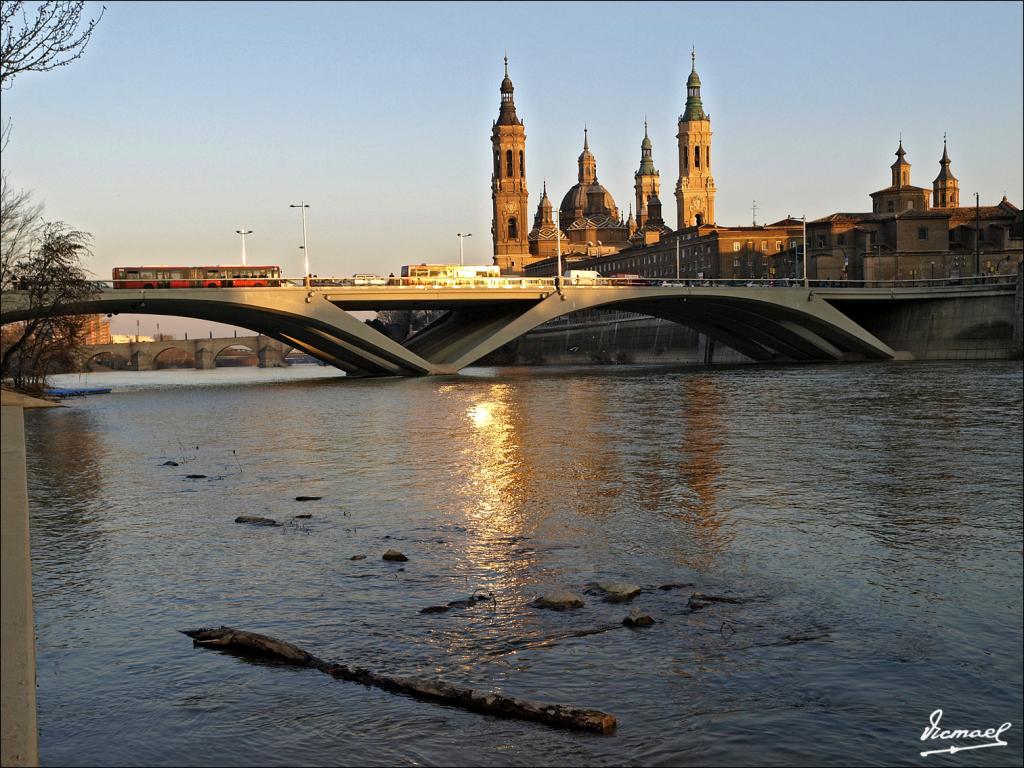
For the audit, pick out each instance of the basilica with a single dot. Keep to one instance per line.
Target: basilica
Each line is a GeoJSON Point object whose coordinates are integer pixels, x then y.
{"type": "Point", "coordinates": [910, 233]}
{"type": "Point", "coordinates": [588, 222]}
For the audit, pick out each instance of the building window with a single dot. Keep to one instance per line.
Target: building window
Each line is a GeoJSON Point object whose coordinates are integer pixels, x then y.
{"type": "Point", "coordinates": [943, 204]}
{"type": "Point", "coordinates": [840, 239]}
{"type": "Point", "coordinates": [764, 245]}
{"type": "Point", "coordinates": [792, 243]}
{"type": "Point", "coordinates": [736, 246]}
{"type": "Point", "coordinates": [522, 164]}
{"type": "Point", "coordinates": [696, 157]}
{"type": "Point", "coordinates": [508, 163]}
{"type": "Point", "coordinates": [891, 207]}
{"type": "Point", "coordinates": [707, 158]}
{"type": "Point", "coordinates": [922, 233]}
{"type": "Point", "coordinates": [686, 158]}
{"type": "Point", "coordinates": [497, 164]}
{"type": "Point", "coordinates": [910, 205]}
{"type": "Point", "coordinates": [778, 245]}
{"type": "Point", "coordinates": [513, 227]}
{"type": "Point", "coordinates": [821, 241]}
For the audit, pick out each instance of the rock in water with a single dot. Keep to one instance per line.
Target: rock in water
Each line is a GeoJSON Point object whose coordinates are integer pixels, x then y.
{"type": "Point", "coordinates": [434, 609]}
{"type": "Point", "coordinates": [618, 591]}
{"type": "Point", "coordinates": [170, 464]}
{"type": "Point", "coordinates": [308, 498]}
{"type": "Point", "coordinates": [195, 477]}
{"type": "Point", "coordinates": [302, 517]}
{"type": "Point", "coordinates": [358, 557]}
{"type": "Point", "coordinates": [637, 618]}
{"type": "Point", "coordinates": [256, 520]}
{"type": "Point", "coordinates": [395, 555]}
{"type": "Point", "coordinates": [559, 600]}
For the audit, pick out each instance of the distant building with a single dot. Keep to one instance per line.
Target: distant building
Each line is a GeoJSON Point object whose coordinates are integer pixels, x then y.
{"type": "Point", "coordinates": [905, 237]}
{"type": "Point", "coordinates": [96, 330]}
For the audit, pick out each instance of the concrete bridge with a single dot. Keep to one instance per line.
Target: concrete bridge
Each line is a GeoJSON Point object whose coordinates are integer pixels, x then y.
{"type": "Point", "coordinates": [143, 355]}
{"type": "Point", "coordinates": [770, 324]}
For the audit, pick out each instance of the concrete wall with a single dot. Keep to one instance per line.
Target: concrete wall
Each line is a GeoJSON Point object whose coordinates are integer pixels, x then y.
{"type": "Point", "coordinates": [964, 328]}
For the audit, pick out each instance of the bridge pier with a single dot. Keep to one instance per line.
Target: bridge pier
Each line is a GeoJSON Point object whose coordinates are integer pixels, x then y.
{"type": "Point", "coordinates": [205, 359]}
{"type": "Point", "coordinates": [271, 353]}
{"type": "Point", "coordinates": [142, 361]}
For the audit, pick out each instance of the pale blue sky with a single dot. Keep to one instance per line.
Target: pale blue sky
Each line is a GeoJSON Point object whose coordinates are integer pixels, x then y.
{"type": "Point", "coordinates": [186, 121]}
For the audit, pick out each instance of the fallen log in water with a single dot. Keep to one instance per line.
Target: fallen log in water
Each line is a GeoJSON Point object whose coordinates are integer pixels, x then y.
{"type": "Point", "coordinates": [558, 715]}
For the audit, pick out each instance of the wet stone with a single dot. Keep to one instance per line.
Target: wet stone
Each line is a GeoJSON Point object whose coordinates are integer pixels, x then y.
{"type": "Point", "coordinates": [256, 520]}
{"type": "Point", "coordinates": [169, 464]}
{"type": "Point", "coordinates": [302, 517]}
{"type": "Point", "coordinates": [358, 557]}
{"type": "Point", "coordinates": [308, 498]}
{"type": "Point", "coordinates": [559, 600]}
{"type": "Point", "coordinates": [195, 477]}
{"type": "Point", "coordinates": [394, 555]}
{"type": "Point", "coordinates": [434, 609]}
{"type": "Point", "coordinates": [618, 591]}
{"type": "Point", "coordinates": [637, 618]}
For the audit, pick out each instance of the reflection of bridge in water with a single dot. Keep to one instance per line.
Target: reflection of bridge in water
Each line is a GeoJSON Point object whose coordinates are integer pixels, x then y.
{"type": "Point", "coordinates": [144, 355]}
{"type": "Point", "coordinates": [767, 324]}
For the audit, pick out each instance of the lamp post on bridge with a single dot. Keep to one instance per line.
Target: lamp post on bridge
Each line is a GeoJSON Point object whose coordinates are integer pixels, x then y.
{"type": "Point", "coordinates": [462, 238]}
{"type": "Point", "coordinates": [305, 251]}
{"type": "Point", "coordinates": [558, 250]}
{"type": "Point", "coordinates": [243, 233]}
{"type": "Point", "coordinates": [806, 283]}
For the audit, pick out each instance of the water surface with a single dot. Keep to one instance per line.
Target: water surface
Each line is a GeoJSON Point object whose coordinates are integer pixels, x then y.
{"type": "Point", "coordinates": [868, 517]}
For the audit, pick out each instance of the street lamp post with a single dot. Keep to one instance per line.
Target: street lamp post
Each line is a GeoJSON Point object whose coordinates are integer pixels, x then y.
{"type": "Point", "coordinates": [243, 233]}
{"type": "Point", "coordinates": [462, 237]}
{"type": "Point", "coordinates": [305, 251]}
{"type": "Point", "coordinates": [806, 283]}
{"type": "Point", "coordinates": [977, 235]}
{"type": "Point", "coordinates": [933, 270]}
{"type": "Point", "coordinates": [558, 250]}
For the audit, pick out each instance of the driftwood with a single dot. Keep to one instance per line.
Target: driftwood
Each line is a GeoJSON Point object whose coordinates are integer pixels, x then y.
{"type": "Point", "coordinates": [557, 715]}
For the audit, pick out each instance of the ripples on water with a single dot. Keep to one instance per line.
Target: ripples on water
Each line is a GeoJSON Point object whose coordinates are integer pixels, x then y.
{"type": "Point", "coordinates": [870, 516]}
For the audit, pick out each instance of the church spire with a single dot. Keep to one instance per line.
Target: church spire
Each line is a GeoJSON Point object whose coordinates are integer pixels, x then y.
{"type": "Point", "coordinates": [901, 168]}
{"type": "Point", "coordinates": [587, 162]}
{"type": "Point", "coordinates": [507, 115]}
{"type": "Point", "coordinates": [945, 188]}
{"type": "Point", "coordinates": [694, 108]}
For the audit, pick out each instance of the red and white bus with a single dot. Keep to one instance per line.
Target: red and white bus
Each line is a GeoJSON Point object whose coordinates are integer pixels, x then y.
{"type": "Point", "coordinates": [197, 277]}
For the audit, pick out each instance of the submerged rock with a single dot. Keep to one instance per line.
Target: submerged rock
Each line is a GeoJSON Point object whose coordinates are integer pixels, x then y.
{"type": "Point", "coordinates": [195, 477]}
{"type": "Point", "coordinates": [358, 557]}
{"type": "Point", "coordinates": [308, 498]}
{"type": "Point", "coordinates": [256, 520]}
{"type": "Point", "coordinates": [618, 591]}
{"type": "Point", "coordinates": [395, 555]}
{"type": "Point", "coordinates": [305, 516]}
{"type": "Point", "coordinates": [638, 618]}
{"type": "Point", "coordinates": [559, 600]}
{"type": "Point", "coordinates": [434, 609]}
{"type": "Point", "coordinates": [169, 464]}
{"type": "Point", "coordinates": [667, 587]}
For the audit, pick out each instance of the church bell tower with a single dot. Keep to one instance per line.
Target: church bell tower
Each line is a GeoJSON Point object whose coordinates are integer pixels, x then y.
{"type": "Point", "coordinates": [695, 190]}
{"type": "Point", "coordinates": [508, 186]}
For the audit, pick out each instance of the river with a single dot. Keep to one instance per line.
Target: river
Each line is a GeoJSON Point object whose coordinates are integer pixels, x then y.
{"type": "Point", "coordinates": [866, 518]}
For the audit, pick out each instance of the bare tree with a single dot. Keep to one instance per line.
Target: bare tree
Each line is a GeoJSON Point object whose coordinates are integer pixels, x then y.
{"type": "Point", "coordinates": [42, 260]}
{"type": "Point", "coordinates": [53, 37]}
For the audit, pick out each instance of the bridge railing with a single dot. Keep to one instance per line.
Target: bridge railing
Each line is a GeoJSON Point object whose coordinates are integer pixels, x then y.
{"type": "Point", "coordinates": [548, 283]}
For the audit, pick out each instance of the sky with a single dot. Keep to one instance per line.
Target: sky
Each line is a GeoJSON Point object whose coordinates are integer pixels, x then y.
{"type": "Point", "coordinates": [184, 122]}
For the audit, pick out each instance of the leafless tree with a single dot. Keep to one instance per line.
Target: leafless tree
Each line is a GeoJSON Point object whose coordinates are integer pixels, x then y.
{"type": "Point", "coordinates": [54, 36]}
{"type": "Point", "coordinates": [43, 261]}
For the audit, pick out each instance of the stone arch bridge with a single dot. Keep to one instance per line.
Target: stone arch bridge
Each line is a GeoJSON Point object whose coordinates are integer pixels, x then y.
{"type": "Point", "coordinates": [143, 354]}
{"type": "Point", "coordinates": [771, 324]}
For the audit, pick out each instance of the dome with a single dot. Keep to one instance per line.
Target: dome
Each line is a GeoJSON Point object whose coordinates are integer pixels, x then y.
{"type": "Point", "coordinates": [589, 199]}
